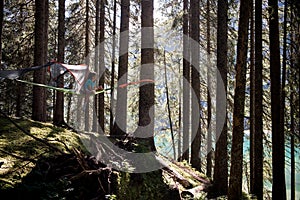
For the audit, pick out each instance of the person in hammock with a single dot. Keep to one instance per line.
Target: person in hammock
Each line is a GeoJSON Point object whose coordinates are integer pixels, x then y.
{"type": "Point", "coordinates": [90, 87]}
{"type": "Point", "coordinates": [90, 83]}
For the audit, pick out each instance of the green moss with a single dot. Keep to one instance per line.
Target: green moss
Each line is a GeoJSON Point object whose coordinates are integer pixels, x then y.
{"type": "Point", "coordinates": [20, 151]}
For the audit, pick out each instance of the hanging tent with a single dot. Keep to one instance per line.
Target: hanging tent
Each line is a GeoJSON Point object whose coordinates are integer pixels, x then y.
{"type": "Point", "coordinates": [73, 76]}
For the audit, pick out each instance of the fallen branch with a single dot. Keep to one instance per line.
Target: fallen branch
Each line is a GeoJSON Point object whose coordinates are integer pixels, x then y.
{"type": "Point", "coordinates": [175, 175]}
{"type": "Point", "coordinates": [191, 193]}
{"type": "Point", "coordinates": [85, 173]}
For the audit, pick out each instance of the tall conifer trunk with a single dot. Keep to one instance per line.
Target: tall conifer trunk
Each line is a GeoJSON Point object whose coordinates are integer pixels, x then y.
{"type": "Point", "coordinates": [121, 109]}
{"type": "Point", "coordinates": [196, 126]}
{"type": "Point", "coordinates": [39, 93]}
{"type": "Point", "coordinates": [113, 66]}
{"type": "Point", "coordinates": [101, 110]}
{"type": "Point", "coordinates": [209, 94]}
{"type": "Point", "coordinates": [96, 63]}
{"type": "Point", "coordinates": [1, 27]}
{"type": "Point", "coordinates": [258, 96]}
{"type": "Point", "coordinates": [278, 186]}
{"type": "Point", "coordinates": [146, 93]}
{"type": "Point", "coordinates": [87, 62]}
{"type": "Point", "coordinates": [236, 169]}
{"type": "Point", "coordinates": [220, 175]}
{"type": "Point", "coordinates": [58, 117]}
{"type": "Point", "coordinates": [186, 109]}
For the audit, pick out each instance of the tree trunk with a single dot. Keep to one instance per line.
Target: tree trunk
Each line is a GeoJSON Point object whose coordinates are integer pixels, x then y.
{"type": "Point", "coordinates": [196, 126]}
{"type": "Point", "coordinates": [146, 93]}
{"type": "Point", "coordinates": [186, 84]}
{"type": "Point", "coordinates": [39, 93]}
{"type": "Point", "coordinates": [101, 110]}
{"type": "Point", "coordinates": [236, 169]}
{"type": "Point", "coordinates": [209, 94]}
{"type": "Point", "coordinates": [96, 62]}
{"type": "Point", "coordinates": [58, 117]}
{"type": "Point", "coordinates": [169, 107]}
{"type": "Point", "coordinates": [1, 27]}
{"type": "Point", "coordinates": [252, 100]}
{"type": "Point", "coordinates": [113, 64]}
{"type": "Point", "coordinates": [121, 109]}
{"type": "Point", "coordinates": [292, 147]}
{"type": "Point", "coordinates": [278, 186]}
{"type": "Point", "coordinates": [87, 52]}
{"type": "Point", "coordinates": [220, 177]}
{"type": "Point", "coordinates": [258, 128]}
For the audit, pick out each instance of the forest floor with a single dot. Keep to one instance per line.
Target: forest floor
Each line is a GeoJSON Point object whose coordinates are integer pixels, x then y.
{"type": "Point", "coordinates": [42, 161]}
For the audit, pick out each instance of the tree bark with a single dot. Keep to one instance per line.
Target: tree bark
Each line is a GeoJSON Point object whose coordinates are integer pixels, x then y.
{"type": "Point", "coordinates": [278, 165]}
{"type": "Point", "coordinates": [236, 169]}
{"type": "Point", "coordinates": [209, 94]}
{"type": "Point", "coordinates": [258, 116]}
{"type": "Point", "coordinates": [101, 110]}
{"type": "Point", "coordinates": [146, 93]}
{"type": "Point", "coordinates": [96, 62]}
{"type": "Point", "coordinates": [196, 126]}
{"type": "Point", "coordinates": [113, 66]}
{"type": "Point", "coordinates": [87, 62]}
{"type": "Point", "coordinates": [293, 192]}
{"type": "Point", "coordinates": [58, 117]}
{"type": "Point", "coordinates": [39, 93]}
{"type": "Point", "coordinates": [1, 28]}
{"type": "Point", "coordinates": [121, 109]}
{"type": "Point", "coordinates": [220, 176]}
{"type": "Point", "coordinates": [252, 99]}
{"type": "Point", "coordinates": [186, 83]}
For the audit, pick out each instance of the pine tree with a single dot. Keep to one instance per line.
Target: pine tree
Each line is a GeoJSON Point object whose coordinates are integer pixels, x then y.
{"type": "Point", "coordinates": [58, 117]}
{"type": "Point", "coordinates": [278, 186]}
{"type": "Point", "coordinates": [39, 93]}
{"type": "Point", "coordinates": [146, 93]}
{"type": "Point", "coordinates": [220, 176]}
{"type": "Point", "coordinates": [258, 128]}
{"type": "Point", "coordinates": [186, 82]}
{"type": "Point", "coordinates": [121, 109]}
{"type": "Point", "coordinates": [236, 168]}
{"type": "Point", "coordinates": [1, 28]}
{"type": "Point", "coordinates": [196, 126]}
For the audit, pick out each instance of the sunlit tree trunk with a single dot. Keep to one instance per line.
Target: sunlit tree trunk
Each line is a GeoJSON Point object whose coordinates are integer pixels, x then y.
{"type": "Point", "coordinates": [186, 83]}
{"type": "Point", "coordinates": [209, 94]}
{"type": "Point", "coordinates": [236, 168]}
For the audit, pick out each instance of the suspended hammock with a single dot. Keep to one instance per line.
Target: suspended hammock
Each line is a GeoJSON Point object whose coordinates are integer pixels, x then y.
{"type": "Point", "coordinates": [62, 77]}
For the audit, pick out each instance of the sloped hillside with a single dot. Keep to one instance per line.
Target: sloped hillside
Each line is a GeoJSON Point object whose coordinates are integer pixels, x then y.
{"type": "Point", "coordinates": [42, 161]}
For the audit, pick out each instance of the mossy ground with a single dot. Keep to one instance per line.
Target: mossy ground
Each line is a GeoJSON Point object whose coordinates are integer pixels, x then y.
{"type": "Point", "coordinates": [32, 170]}
{"type": "Point", "coordinates": [20, 152]}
